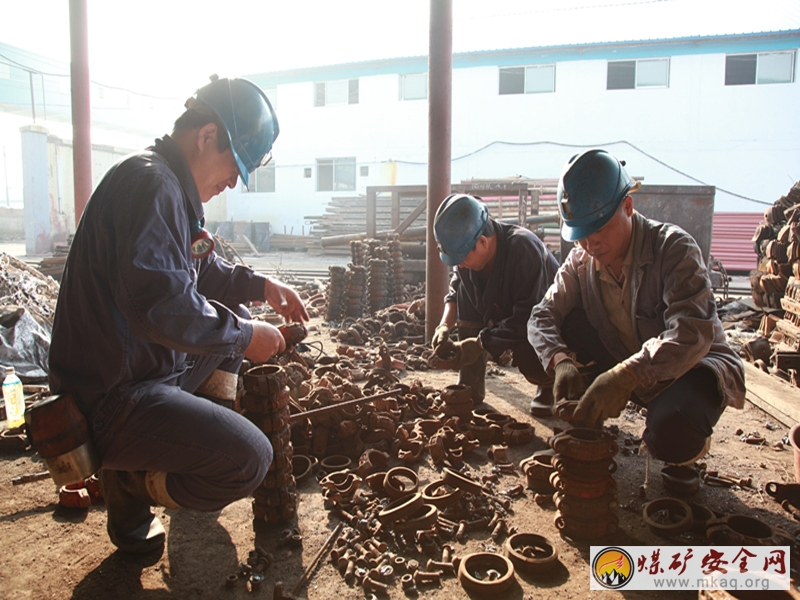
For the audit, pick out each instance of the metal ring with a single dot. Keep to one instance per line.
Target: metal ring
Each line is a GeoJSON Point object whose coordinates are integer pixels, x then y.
{"type": "Point", "coordinates": [671, 505]}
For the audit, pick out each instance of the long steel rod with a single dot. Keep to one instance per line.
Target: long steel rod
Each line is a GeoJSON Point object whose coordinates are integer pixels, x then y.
{"type": "Point", "coordinates": [338, 405]}
{"type": "Point", "coordinates": [314, 562]}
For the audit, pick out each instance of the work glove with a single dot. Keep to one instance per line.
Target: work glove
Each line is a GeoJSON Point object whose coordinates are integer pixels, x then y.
{"type": "Point", "coordinates": [440, 335]}
{"type": "Point", "coordinates": [467, 352]}
{"type": "Point", "coordinates": [569, 383]}
{"type": "Point", "coordinates": [607, 395]}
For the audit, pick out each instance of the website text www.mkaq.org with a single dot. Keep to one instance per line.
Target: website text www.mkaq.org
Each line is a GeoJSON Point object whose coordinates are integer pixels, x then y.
{"type": "Point", "coordinates": [712, 583]}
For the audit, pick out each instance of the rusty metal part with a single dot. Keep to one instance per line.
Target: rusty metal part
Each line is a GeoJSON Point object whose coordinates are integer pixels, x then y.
{"type": "Point", "coordinates": [334, 463]}
{"type": "Point", "coordinates": [570, 468]}
{"type": "Point", "coordinates": [393, 483]}
{"type": "Point", "coordinates": [72, 497]}
{"type": "Point", "coordinates": [423, 577]}
{"type": "Point", "coordinates": [681, 480]}
{"type": "Point", "coordinates": [741, 530]}
{"type": "Point", "coordinates": [232, 580]}
{"type": "Point", "coordinates": [445, 567]}
{"type": "Point", "coordinates": [586, 444]}
{"type": "Point", "coordinates": [486, 572]}
{"type": "Point", "coordinates": [499, 528]}
{"type": "Point", "coordinates": [315, 412]}
{"type": "Point", "coordinates": [401, 508]}
{"type": "Point", "coordinates": [587, 529]}
{"type": "Point", "coordinates": [701, 517]}
{"type": "Point", "coordinates": [678, 516]}
{"type": "Point", "coordinates": [302, 467]}
{"type": "Point", "coordinates": [313, 564]}
{"type": "Point", "coordinates": [517, 433]}
{"type": "Point", "coordinates": [584, 508]}
{"type": "Point", "coordinates": [538, 468]}
{"type": "Point", "coordinates": [30, 478]}
{"type": "Point", "coordinates": [441, 494]}
{"type": "Point", "coordinates": [459, 481]}
{"type": "Point", "coordinates": [583, 489]}
{"type": "Point", "coordinates": [423, 518]}
{"type": "Point", "coordinates": [531, 553]}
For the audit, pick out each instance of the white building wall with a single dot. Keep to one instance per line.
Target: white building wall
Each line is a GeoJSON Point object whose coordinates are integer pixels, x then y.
{"type": "Point", "coordinates": [743, 139]}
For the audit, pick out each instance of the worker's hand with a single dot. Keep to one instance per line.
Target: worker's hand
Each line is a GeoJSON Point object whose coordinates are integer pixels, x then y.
{"type": "Point", "coordinates": [441, 334]}
{"type": "Point", "coordinates": [607, 396]}
{"type": "Point", "coordinates": [569, 383]}
{"type": "Point", "coordinates": [285, 301]}
{"type": "Point", "coordinates": [467, 352]}
{"type": "Point", "coordinates": [267, 341]}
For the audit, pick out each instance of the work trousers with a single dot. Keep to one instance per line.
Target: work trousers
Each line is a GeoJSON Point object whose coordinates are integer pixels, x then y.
{"type": "Point", "coordinates": [678, 420]}
{"type": "Point", "coordinates": [212, 455]}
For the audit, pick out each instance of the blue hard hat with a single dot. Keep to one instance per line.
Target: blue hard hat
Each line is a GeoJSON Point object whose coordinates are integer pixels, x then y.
{"type": "Point", "coordinates": [459, 222]}
{"type": "Point", "coordinates": [248, 118]}
{"type": "Point", "coordinates": [590, 190]}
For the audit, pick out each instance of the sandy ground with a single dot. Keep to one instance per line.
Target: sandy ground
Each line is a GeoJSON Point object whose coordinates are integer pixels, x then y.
{"type": "Point", "coordinates": [46, 552]}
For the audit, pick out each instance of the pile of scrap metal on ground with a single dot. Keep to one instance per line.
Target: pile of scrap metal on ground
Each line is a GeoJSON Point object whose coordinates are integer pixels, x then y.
{"type": "Point", "coordinates": [776, 289]}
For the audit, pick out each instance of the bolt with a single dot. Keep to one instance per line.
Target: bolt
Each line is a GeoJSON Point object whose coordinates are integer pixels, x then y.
{"type": "Point", "coordinates": [371, 585]}
{"type": "Point", "coordinates": [462, 531]}
{"type": "Point", "coordinates": [350, 572]}
{"type": "Point", "coordinates": [478, 523]}
{"type": "Point", "coordinates": [422, 577]}
{"type": "Point", "coordinates": [498, 530]}
{"type": "Point", "coordinates": [407, 581]}
{"type": "Point", "coordinates": [444, 567]}
{"type": "Point", "coordinates": [412, 565]}
{"type": "Point", "coordinates": [711, 480]}
{"type": "Point", "coordinates": [447, 553]}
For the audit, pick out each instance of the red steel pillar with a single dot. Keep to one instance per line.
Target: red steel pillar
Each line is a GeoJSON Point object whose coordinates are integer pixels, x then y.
{"type": "Point", "coordinates": [440, 92]}
{"type": "Point", "coordinates": [81, 104]}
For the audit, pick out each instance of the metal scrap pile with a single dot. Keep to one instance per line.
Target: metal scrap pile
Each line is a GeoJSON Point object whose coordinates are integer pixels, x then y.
{"type": "Point", "coordinates": [22, 285]}
{"type": "Point", "coordinates": [776, 288]}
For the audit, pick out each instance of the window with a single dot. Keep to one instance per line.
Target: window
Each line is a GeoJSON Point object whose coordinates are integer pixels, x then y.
{"type": "Point", "coordinates": [528, 80]}
{"type": "Point", "coordinates": [630, 74]}
{"type": "Point", "coordinates": [336, 174]}
{"type": "Point", "coordinates": [766, 67]}
{"type": "Point", "coordinates": [328, 93]}
{"type": "Point", "coordinates": [307, 173]}
{"type": "Point", "coordinates": [364, 170]}
{"type": "Point", "coordinates": [262, 180]}
{"type": "Point", "coordinates": [414, 86]}
{"type": "Point", "coordinates": [5, 71]}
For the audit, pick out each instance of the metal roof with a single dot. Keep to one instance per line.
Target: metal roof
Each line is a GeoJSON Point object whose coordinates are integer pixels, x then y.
{"type": "Point", "coordinates": [731, 240]}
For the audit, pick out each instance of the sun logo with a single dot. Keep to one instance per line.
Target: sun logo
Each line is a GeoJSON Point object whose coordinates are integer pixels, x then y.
{"type": "Point", "coordinates": [612, 568]}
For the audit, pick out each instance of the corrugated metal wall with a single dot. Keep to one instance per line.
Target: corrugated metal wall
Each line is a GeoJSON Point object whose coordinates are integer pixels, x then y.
{"type": "Point", "coordinates": [730, 240]}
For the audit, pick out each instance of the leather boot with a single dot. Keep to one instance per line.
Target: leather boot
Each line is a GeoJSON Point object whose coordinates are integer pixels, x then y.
{"type": "Point", "coordinates": [542, 402]}
{"type": "Point", "coordinates": [131, 525]}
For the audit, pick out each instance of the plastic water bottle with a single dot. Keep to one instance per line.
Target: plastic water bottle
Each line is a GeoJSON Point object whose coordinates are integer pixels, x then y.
{"type": "Point", "coordinates": [14, 398]}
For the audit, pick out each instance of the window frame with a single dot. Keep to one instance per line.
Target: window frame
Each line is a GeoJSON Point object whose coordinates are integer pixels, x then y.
{"type": "Point", "coordinates": [335, 165]}
{"type": "Point", "coordinates": [515, 72]}
{"type": "Point", "coordinates": [254, 179]}
{"type": "Point", "coordinates": [403, 78]}
{"type": "Point", "coordinates": [321, 94]}
{"type": "Point", "coordinates": [758, 58]}
{"type": "Point", "coordinates": [636, 84]}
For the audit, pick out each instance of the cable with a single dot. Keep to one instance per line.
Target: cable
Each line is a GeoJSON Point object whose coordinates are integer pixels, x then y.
{"type": "Point", "coordinates": [601, 145]}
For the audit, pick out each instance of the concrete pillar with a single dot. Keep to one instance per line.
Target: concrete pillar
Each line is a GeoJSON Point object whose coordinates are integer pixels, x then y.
{"type": "Point", "coordinates": [35, 195]}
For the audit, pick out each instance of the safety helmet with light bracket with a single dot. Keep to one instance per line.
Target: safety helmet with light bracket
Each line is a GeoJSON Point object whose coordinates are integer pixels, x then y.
{"type": "Point", "coordinates": [459, 222]}
{"type": "Point", "coordinates": [248, 118]}
{"type": "Point", "coordinates": [591, 188]}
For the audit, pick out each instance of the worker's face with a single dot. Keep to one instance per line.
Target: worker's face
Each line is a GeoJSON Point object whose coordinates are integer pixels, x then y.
{"type": "Point", "coordinates": [478, 256]}
{"type": "Point", "coordinates": [213, 171]}
{"type": "Point", "coordinates": [609, 244]}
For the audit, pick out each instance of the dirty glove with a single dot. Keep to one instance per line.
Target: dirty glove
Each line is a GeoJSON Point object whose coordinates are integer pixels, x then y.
{"type": "Point", "coordinates": [607, 396]}
{"type": "Point", "coordinates": [569, 383]}
{"type": "Point", "coordinates": [441, 334]}
{"type": "Point", "coordinates": [467, 352]}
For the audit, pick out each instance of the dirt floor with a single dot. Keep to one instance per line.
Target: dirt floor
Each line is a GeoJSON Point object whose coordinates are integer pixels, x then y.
{"type": "Point", "coordinates": [46, 552]}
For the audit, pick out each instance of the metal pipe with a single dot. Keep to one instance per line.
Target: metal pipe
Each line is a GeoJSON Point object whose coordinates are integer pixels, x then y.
{"type": "Point", "coordinates": [338, 405]}
{"type": "Point", "coordinates": [81, 103]}
{"type": "Point", "coordinates": [440, 91]}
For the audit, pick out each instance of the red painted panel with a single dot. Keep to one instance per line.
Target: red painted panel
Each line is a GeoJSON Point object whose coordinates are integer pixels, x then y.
{"type": "Point", "coordinates": [730, 240]}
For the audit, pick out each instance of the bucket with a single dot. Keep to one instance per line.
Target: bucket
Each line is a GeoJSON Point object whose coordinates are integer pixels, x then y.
{"type": "Point", "coordinates": [794, 438]}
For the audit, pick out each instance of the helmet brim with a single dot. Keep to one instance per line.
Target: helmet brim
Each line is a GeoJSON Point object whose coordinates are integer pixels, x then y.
{"type": "Point", "coordinates": [580, 232]}
{"type": "Point", "coordinates": [452, 260]}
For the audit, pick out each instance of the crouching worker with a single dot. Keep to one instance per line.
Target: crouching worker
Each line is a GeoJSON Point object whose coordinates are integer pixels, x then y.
{"type": "Point", "coordinates": [500, 272]}
{"type": "Point", "coordinates": [150, 328]}
{"type": "Point", "coordinates": [635, 298]}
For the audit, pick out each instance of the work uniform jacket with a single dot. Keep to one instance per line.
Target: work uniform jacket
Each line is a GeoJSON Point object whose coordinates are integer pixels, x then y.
{"type": "Point", "coordinates": [133, 302]}
{"type": "Point", "coordinates": [523, 270]}
{"type": "Point", "coordinates": [673, 309]}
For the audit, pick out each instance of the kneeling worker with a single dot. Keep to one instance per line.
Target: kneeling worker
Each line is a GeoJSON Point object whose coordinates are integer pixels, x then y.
{"type": "Point", "coordinates": [151, 325]}
{"type": "Point", "coordinates": [501, 271]}
{"type": "Point", "coordinates": [634, 296]}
